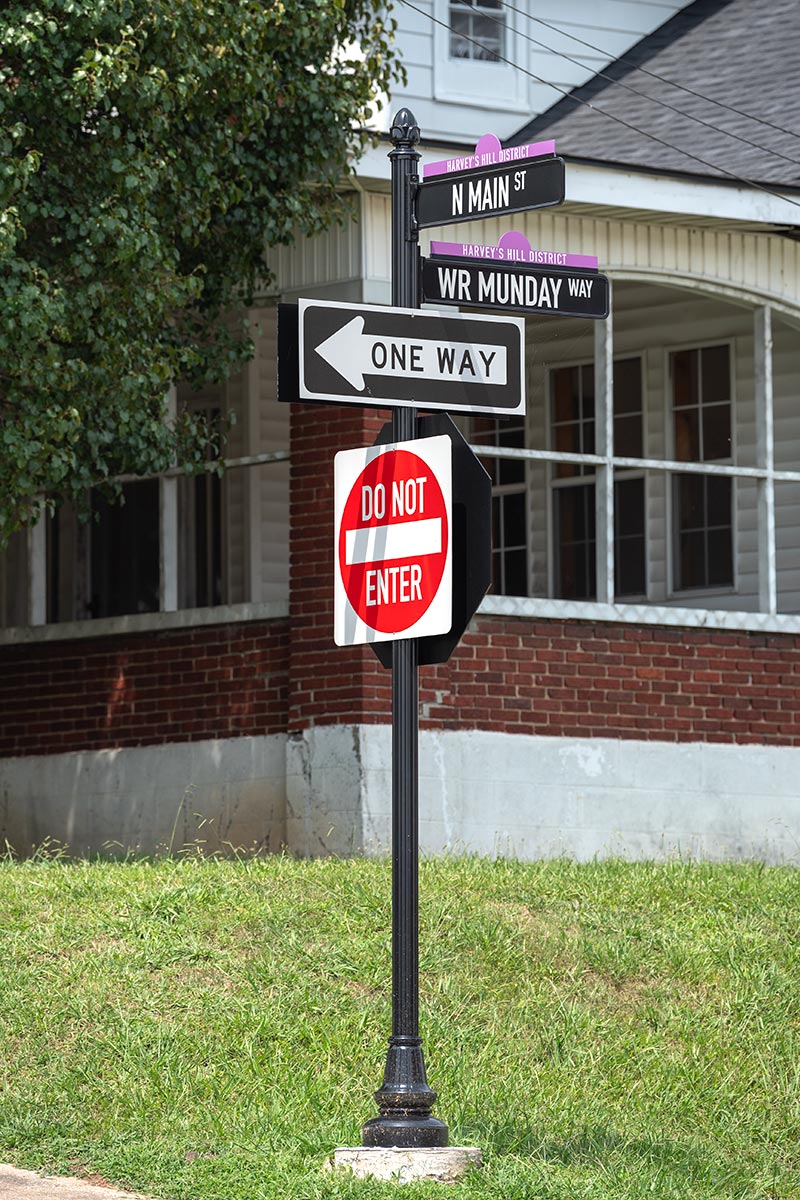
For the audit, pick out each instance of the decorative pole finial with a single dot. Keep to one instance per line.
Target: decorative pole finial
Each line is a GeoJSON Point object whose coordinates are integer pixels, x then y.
{"type": "Point", "coordinates": [405, 130]}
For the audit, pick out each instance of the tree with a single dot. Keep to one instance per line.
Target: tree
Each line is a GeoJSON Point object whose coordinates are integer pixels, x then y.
{"type": "Point", "coordinates": [150, 151]}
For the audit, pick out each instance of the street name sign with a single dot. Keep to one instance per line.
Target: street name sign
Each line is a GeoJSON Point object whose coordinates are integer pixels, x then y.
{"type": "Point", "coordinates": [490, 192]}
{"type": "Point", "coordinates": [515, 287]}
{"type": "Point", "coordinates": [393, 541]}
{"type": "Point", "coordinates": [383, 357]}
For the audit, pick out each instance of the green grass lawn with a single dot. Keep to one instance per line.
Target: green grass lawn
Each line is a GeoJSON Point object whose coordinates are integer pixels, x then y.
{"type": "Point", "coordinates": [207, 1030]}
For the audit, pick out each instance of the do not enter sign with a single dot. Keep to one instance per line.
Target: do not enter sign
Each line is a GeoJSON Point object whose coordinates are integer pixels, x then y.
{"type": "Point", "coordinates": [393, 541]}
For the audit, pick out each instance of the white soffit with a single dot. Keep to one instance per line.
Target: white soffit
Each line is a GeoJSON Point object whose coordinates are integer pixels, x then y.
{"type": "Point", "coordinates": [601, 191]}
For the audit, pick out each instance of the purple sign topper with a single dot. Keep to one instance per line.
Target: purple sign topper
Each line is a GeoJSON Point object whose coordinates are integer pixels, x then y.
{"type": "Point", "coordinates": [488, 153]}
{"type": "Point", "coordinates": [514, 247]}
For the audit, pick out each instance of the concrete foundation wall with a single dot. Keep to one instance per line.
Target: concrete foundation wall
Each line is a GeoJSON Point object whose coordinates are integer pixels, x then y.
{"type": "Point", "coordinates": [530, 797]}
{"type": "Point", "coordinates": [218, 795]}
{"type": "Point", "coordinates": [327, 790]}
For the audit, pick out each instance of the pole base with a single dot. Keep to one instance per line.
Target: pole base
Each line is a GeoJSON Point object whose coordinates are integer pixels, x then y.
{"type": "Point", "coordinates": [406, 1133]}
{"type": "Point", "coordinates": [405, 1101]}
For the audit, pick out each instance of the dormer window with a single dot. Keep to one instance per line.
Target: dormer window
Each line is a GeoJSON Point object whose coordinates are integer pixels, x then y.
{"type": "Point", "coordinates": [477, 30]}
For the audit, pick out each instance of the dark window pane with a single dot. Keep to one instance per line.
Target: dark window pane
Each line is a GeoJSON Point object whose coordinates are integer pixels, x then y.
{"type": "Point", "coordinates": [572, 572]}
{"type": "Point", "coordinates": [125, 552]}
{"type": "Point", "coordinates": [588, 437]}
{"type": "Point", "coordinates": [587, 399]}
{"type": "Point", "coordinates": [687, 435]}
{"type": "Point", "coordinates": [629, 567]}
{"type": "Point", "coordinates": [629, 540]}
{"type": "Point", "coordinates": [497, 572]}
{"type": "Point", "coordinates": [511, 435]}
{"type": "Point", "coordinates": [691, 502]}
{"type": "Point", "coordinates": [628, 436]}
{"type": "Point", "coordinates": [716, 375]}
{"type": "Point", "coordinates": [208, 540]}
{"type": "Point", "coordinates": [484, 430]}
{"type": "Point", "coordinates": [716, 431]}
{"type": "Point", "coordinates": [516, 573]}
{"type": "Point", "coordinates": [567, 438]}
{"type": "Point", "coordinates": [720, 557]}
{"type": "Point", "coordinates": [628, 386]}
{"type": "Point", "coordinates": [692, 560]}
{"type": "Point", "coordinates": [685, 378]}
{"type": "Point", "coordinates": [718, 501]}
{"type": "Point", "coordinates": [571, 504]}
{"type": "Point", "coordinates": [629, 507]}
{"type": "Point", "coordinates": [512, 470]}
{"type": "Point", "coordinates": [497, 523]}
{"type": "Point", "coordinates": [513, 519]}
{"type": "Point", "coordinates": [565, 394]}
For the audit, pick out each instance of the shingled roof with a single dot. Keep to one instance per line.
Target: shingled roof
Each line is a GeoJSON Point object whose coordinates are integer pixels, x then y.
{"type": "Point", "coordinates": [745, 53]}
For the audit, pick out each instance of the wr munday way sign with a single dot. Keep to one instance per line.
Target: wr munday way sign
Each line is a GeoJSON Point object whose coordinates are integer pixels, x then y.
{"type": "Point", "coordinates": [392, 541]}
{"type": "Point", "coordinates": [522, 288]}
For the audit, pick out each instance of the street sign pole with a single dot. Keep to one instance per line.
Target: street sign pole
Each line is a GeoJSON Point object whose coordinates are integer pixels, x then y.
{"type": "Point", "coordinates": [404, 1099]}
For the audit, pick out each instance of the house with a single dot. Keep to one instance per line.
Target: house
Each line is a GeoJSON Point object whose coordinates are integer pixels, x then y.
{"type": "Point", "coordinates": [631, 684]}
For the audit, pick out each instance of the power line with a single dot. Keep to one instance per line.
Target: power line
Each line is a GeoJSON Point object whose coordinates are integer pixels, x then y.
{"type": "Point", "coordinates": [654, 74]}
{"type": "Point", "coordinates": [612, 116]}
{"type": "Point", "coordinates": [652, 99]}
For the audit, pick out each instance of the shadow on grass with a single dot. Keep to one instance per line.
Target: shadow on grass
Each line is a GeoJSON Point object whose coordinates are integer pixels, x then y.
{"type": "Point", "coordinates": [601, 1144]}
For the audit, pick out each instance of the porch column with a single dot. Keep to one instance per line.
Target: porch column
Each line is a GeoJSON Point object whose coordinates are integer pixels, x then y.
{"type": "Point", "coordinates": [37, 572]}
{"type": "Point", "coordinates": [604, 445]}
{"type": "Point", "coordinates": [765, 459]}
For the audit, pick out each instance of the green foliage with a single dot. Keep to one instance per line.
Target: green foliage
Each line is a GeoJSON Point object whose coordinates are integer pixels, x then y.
{"type": "Point", "coordinates": [209, 1030]}
{"type": "Point", "coordinates": [150, 150]}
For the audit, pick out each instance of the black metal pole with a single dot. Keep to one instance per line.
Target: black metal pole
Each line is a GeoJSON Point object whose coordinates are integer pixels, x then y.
{"type": "Point", "coordinates": [405, 1100]}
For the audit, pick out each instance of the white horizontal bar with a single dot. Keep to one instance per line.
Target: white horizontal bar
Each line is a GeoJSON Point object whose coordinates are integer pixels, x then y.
{"type": "Point", "coordinates": [377, 543]}
{"type": "Point", "coordinates": [638, 614]}
{"type": "Point", "coordinates": [637, 464]}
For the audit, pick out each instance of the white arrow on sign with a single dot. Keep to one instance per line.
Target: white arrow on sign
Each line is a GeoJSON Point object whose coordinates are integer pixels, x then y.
{"type": "Point", "coordinates": [354, 354]}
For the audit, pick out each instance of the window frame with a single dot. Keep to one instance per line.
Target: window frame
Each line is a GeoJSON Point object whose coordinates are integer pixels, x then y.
{"type": "Point", "coordinates": [521, 488]}
{"type": "Point", "coordinates": [671, 532]}
{"type": "Point", "coordinates": [621, 473]}
{"type": "Point", "coordinates": [454, 79]}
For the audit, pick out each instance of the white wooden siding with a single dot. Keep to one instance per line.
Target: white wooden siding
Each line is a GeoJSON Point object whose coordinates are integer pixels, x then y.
{"type": "Point", "coordinates": [453, 101]}
{"type": "Point", "coordinates": [312, 265]}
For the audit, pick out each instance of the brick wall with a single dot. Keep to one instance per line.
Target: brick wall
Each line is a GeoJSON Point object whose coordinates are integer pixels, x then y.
{"type": "Point", "coordinates": [139, 690]}
{"type": "Point", "coordinates": [576, 679]}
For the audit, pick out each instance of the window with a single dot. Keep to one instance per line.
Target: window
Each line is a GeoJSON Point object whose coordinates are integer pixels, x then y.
{"type": "Point", "coordinates": [110, 566]}
{"type": "Point", "coordinates": [475, 45]}
{"type": "Point", "coordinates": [124, 552]}
{"type": "Point", "coordinates": [477, 30]}
{"type": "Point", "coordinates": [509, 522]}
{"type": "Point", "coordinates": [572, 423]}
{"type": "Point", "coordinates": [702, 505]}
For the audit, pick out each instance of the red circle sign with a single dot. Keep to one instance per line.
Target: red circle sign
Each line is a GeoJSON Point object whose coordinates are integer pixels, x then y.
{"type": "Point", "coordinates": [393, 541]}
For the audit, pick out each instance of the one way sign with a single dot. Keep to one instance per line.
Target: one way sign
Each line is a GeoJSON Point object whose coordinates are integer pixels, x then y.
{"type": "Point", "coordinates": [385, 357]}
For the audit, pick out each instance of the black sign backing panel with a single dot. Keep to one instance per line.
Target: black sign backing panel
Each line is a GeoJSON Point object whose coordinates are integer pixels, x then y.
{"type": "Point", "coordinates": [515, 287]}
{"type": "Point", "coordinates": [381, 357]}
{"type": "Point", "coordinates": [490, 192]}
